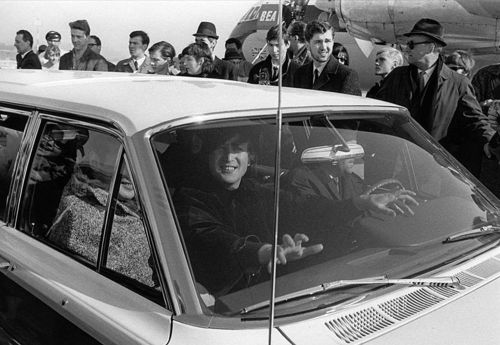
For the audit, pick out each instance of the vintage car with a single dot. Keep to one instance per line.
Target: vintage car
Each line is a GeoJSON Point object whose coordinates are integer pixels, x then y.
{"type": "Point", "coordinates": [139, 209]}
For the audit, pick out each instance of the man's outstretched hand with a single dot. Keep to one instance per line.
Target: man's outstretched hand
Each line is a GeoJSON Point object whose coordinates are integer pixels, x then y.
{"type": "Point", "coordinates": [391, 204]}
{"type": "Point", "coordinates": [290, 249]}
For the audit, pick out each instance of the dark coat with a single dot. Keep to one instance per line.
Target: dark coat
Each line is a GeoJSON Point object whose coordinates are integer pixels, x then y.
{"type": "Point", "coordinates": [223, 230]}
{"type": "Point", "coordinates": [225, 69]}
{"type": "Point", "coordinates": [30, 61]}
{"type": "Point", "coordinates": [316, 179]}
{"type": "Point", "coordinates": [335, 78]}
{"type": "Point", "coordinates": [454, 116]}
{"type": "Point", "coordinates": [90, 61]}
{"type": "Point", "coordinates": [486, 83]}
{"type": "Point", "coordinates": [261, 72]}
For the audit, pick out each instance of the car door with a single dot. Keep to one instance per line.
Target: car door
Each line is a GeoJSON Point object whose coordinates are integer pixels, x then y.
{"type": "Point", "coordinates": [75, 262]}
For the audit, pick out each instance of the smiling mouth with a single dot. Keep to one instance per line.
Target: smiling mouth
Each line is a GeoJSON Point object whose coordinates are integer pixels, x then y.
{"type": "Point", "coordinates": [228, 169]}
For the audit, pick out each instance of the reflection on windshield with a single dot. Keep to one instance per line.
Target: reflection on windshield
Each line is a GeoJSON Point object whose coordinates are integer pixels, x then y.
{"type": "Point", "coordinates": [359, 197]}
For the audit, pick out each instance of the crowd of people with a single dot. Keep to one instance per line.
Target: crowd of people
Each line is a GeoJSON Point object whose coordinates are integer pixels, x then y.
{"type": "Point", "coordinates": [436, 89]}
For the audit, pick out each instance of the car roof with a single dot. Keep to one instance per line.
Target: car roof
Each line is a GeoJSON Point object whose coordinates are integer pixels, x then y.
{"type": "Point", "coordinates": [139, 101]}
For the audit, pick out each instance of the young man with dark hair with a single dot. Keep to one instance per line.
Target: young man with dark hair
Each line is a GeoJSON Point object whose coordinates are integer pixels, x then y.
{"type": "Point", "coordinates": [81, 57]}
{"type": "Point", "coordinates": [234, 55]}
{"type": "Point", "coordinates": [324, 72]}
{"type": "Point", "coordinates": [298, 47]}
{"type": "Point", "coordinates": [138, 62]}
{"type": "Point", "coordinates": [266, 71]}
{"type": "Point", "coordinates": [26, 58]}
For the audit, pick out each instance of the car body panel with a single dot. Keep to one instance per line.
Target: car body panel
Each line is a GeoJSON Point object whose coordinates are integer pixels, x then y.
{"type": "Point", "coordinates": [112, 313]}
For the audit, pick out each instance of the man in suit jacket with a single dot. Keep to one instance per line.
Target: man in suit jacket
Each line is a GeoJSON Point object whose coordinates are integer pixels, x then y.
{"type": "Point", "coordinates": [26, 58]}
{"type": "Point", "coordinates": [138, 62]}
{"type": "Point", "coordinates": [207, 34]}
{"type": "Point", "coordinates": [266, 72]}
{"type": "Point", "coordinates": [441, 100]}
{"type": "Point", "coordinates": [81, 57]}
{"type": "Point", "coordinates": [324, 72]}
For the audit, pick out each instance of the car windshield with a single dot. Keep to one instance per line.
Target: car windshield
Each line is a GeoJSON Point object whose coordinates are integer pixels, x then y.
{"type": "Point", "coordinates": [220, 176]}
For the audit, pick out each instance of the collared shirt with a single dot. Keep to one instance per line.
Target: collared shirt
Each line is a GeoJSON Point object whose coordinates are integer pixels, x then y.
{"type": "Point", "coordinates": [319, 67]}
{"type": "Point", "coordinates": [23, 55]}
{"type": "Point", "coordinates": [427, 73]}
{"type": "Point", "coordinates": [139, 62]}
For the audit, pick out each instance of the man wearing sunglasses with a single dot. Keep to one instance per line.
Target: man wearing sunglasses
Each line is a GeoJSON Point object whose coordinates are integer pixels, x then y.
{"type": "Point", "coordinates": [438, 98]}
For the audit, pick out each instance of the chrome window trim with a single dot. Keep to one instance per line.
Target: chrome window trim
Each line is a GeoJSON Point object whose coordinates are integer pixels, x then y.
{"type": "Point", "coordinates": [28, 146]}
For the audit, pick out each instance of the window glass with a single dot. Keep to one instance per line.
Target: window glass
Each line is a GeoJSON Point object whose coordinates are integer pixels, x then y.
{"type": "Point", "coordinates": [69, 183]}
{"type": "Point", "coordinates": [348, 184]}
{"type": "Point", "coordinates": [128, 250]}
{"type": "Point", "coordinates": [11, 132]}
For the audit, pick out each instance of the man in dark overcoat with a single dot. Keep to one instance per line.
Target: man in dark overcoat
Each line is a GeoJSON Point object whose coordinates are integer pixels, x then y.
{"type": "Point", "coordinates": [438, 98]}
{"type": "Point", "coordinates": [324, 72]}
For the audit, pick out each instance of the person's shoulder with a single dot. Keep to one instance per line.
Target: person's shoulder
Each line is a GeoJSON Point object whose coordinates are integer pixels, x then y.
{"type": "Point", "coordinates": [304, 68]}
{"type": "Point", "coordinates": [123, 62]}
{"type": "Point", "coordinates": [490, 70]}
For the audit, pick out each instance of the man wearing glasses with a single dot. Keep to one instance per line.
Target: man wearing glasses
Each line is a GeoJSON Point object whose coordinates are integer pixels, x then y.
{"type": "Point", "coordinates": [94, 43]}
{"type": "Point", "coordinates": [441, 100]}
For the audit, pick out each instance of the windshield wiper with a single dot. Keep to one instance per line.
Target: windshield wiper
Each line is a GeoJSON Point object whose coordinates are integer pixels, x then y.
{"type": "Point", "coordinates": [436, 282]}
{"type": "Point", "coordinates": [477, 232]}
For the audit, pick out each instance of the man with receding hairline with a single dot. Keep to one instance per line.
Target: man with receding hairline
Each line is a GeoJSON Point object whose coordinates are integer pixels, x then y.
{"type": "Point", "coordinates": [26, 58]}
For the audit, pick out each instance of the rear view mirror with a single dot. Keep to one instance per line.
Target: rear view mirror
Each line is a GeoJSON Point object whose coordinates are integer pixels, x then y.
{"type": "Point", "coordinates": [329, 153]}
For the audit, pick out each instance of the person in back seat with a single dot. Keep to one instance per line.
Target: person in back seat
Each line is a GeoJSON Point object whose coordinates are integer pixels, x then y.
{"type": "Point", "coordinates": [78, 226]}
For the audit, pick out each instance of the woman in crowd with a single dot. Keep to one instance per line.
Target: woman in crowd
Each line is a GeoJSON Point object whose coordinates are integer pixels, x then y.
{"type": "Point", "coordinates": [340, 53]}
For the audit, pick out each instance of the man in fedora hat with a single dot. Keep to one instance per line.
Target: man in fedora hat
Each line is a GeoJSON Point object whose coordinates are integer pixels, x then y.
{"type": "Point", "coordinates": [441, 100]}
{"type": "Point", "coordinates": [207, 34]}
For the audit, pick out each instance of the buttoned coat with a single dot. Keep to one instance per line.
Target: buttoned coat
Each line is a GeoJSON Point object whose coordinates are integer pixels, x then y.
{"type": "Point", "coordinates": [335, 77]}
{"type": "Point", "coordinates": [457, 120]}
{"type": "Point", "coordinates": [29, 61]}
{"type": "Point", "coordinates": [127, 65]}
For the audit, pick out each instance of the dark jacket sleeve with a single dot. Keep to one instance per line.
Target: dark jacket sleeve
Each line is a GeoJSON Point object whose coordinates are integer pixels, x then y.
{"type": "Point", "coordinates": [351, 84]}
{"type": "Point", "coordinates": [101, 65]}
{"type": "Point", "coordinates": [32, 62]}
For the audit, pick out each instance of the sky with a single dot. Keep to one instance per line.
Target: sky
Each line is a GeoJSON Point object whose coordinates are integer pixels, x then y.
{"type": "Point", "coordinates": [173, 21]}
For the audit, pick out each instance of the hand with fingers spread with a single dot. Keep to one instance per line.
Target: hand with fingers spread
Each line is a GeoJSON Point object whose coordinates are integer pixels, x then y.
{"type": "Point", "coordinates": [291, 249]}
{"type": "Point", "coordinates": [390, 204]}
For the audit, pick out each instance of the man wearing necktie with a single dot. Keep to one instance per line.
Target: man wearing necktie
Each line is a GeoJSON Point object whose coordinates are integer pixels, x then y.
{"type": "Point", "coordinates": [441, 100]}
{"type": "Point", "coordinates": [266, 72]}
{"type": "Point", "coordinates": [324, 72]}
{"type": "Point", "coordinates": [138, 62]}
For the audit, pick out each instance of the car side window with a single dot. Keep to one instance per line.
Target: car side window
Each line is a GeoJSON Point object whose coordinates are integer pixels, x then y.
{"type": "Point", "coordinates": [69, 182]}
{"type": "Point", "coordinates": [128, 255]}
{"type": "Point", "coordinates": [11, 131]}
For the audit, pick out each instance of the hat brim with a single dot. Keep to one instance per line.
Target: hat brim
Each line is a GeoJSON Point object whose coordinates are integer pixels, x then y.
{"type": "Point", "coordinates": [205, 35]}
{"type": "Point", "coordinates": [434, 37]}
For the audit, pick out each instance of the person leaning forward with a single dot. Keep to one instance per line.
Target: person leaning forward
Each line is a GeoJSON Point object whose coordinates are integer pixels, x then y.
{"type": "Point", "coordinates": [441, 100]}
{"type": "Point", "coordinates": [331, 75]}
